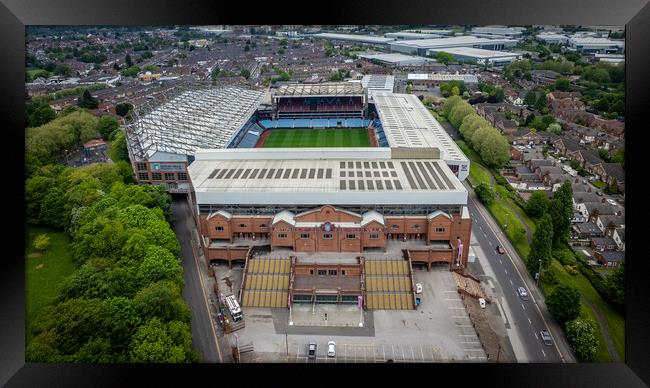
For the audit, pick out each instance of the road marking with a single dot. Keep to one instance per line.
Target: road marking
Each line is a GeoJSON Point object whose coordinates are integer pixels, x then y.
{"type": "Point", "coordinates": [536, 337]}
{"type": "Point", "coordinates": [466, 335]}
{"type": "Point", "coordinates": [543, 353]}
{"type": "Point", "coordinates": [506, 271]}
{"type": "Point", "coordinates": [529, 321]}
{"type": "Point", "coordinates": [490, 242]}
{"type": "Point", "coordinates": [456, 308]}
{"type": "Point", "coordinates": [511, 283]}
{"type": "Point", "coordinates": [473, 350]}
{"type": "Point", "coordinates": [205, 299]}
{"type": "Point", "coordinates": [522, 306]}
{"type": "Point", "coordinates": [453, 299]}
{"type": "Point", "coordinates": [470, 342]}
{"type": "Point", "coordinates": [484, 234]}
{"type": "Point", "coordinates": [500, 262]}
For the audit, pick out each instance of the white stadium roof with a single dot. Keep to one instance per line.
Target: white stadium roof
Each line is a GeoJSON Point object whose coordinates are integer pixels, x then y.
{"type": "Point", "coordinates": [194, 119]}
{"type": "Point", "coordinates": [408, 123]}
{"type": "Point", "coordinates": [325, 89]}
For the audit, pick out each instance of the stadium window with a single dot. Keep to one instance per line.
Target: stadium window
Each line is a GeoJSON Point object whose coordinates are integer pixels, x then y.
{"type": "Point", "coordinates": [304, 235]}
{"type": "Point", "coordinates": [350, 236]}
{"type": "Point", "coordinates": [332, 272]}
{"type": "Point", "coordinates": [143, 176]}
{"type": "Point", "coordinates": [156, 176]}
{"type": "Point", "coordinates": [322, 272]}
{"type": "Point", "coordinates": [343, 272]}
{"type": "Point", "coordinates": [311, 271]}
{"type": "Point", "coordinates": [263, 226]}
{"type": "Point", "coordinates": [416, 226]}
{"type": "Point", "coordinates": [182, 176]}
{"type": "Point", "coordinates": [395, 226]}
{"type": "Point", "coordinates": [440, 230]}
{"type": "Point", "coordinates": [282, 235]}
{"type": "Point", "coordinates": [242, 225]}
{"type": "Point", "coordinates": [142, 166]}
{"type": "Point", "coordinates": [169, 176]}
{"type": "Point", "coordinates": [327, 235]}
{"type": "Point", "coordinates": [219, 228]}
{"type": "Point", "coordinates": [374, 236]}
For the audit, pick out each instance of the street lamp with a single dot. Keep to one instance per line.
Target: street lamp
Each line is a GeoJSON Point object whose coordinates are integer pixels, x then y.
{"type": "Point", "coordinates": [539, 273]}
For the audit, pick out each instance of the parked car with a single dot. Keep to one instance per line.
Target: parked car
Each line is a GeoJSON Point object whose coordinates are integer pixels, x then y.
{"type": "Point", "coordinates": [418, 288]}
{"type": "Point", "coordinates": [546, 338]}
{"type": "Point", "coordinates": [500, 249]}
{"type": "Point", "coordinates": [598, 193]}
{"type": "Point", "coordinates": [611, 202]}
{"type": "Point", "coordinates": [481, 302]}
{"type": "Point", "coordinates": [331, 349]}
{"type": "Point", "coordinates": [523, 294]}
{"type": "Point", "coordinates": [312, 350]}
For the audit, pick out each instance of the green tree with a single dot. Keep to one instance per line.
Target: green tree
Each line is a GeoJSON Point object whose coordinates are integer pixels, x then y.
{"type": "Point", "coordinates": [541, 246]}
{"type": "Point", "coordinates": [449, 104]}
{"type": "Point", "coordinates": [615, 286]}
{"type": "Point", "coordinates": [495, 150]}
{"type": "Point", "coordinates": [455, 91]}
{"type": "Point", "coordinates": [459, 112]}
{"type": "Point", "coordinates": [52, 208]}
{"type": "Point", "coordinates": [159, 264]}
{"type": "Point", "coordinates": [107, 126]}
{"type": "Point", "coordinates": [562, 84]}
{"type": "Point", "coordinates": [245, 73]}
{"type": "Point", "coordinates": [38, 113]}
{"type": "Point", "coordinates": [162, 300]}
{"type": "Point", "coordinates": [123, 109]}
{"type": "Point", "coordinates": [537, 204]}
{"type": "Point", "coordinates": [564, 303]}
{"type": "Point", "coordinates": [471, 123]}
{"type": "Point", "coordinates": [581, 333]}
{"type": "Point", "coordinates": [42, 242]}
{"type": "Point", "coordinates": [131, 71]}
{"type": "Point", "coordinates": [443, 57]}
{"type": "Point", "coordinates": [485, 193]}
{"type": "Point", "coordinates": [128, 61]}
{"type": "Point", "coordinates": [479, 136]}
{"type": "Point", "coordinates": [119, 150]}
{"type": "Point", "coordinates": [87, 100]}
{"type": "Point", "coordinates": [554, 128]}
{"type": "Point", "coordinates": [153, 343]}
{"type": "Point", "coordinates": [561, 211]}
{"type": "Point", "coordinates": [119, 322]}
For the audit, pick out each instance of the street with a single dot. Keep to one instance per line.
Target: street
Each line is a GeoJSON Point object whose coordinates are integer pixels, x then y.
{"type": "Point", "coordinates": [527, 318]}
{"type": "Point", "coordinates": [203, 334]}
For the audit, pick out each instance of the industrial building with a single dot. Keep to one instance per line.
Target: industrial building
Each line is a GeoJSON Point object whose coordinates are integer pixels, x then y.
{"type": "Point", "coordinates": [596, 45]}
{"type": "Point", "coordinates": [498, 32]}
{"type": "Point", "coordinates": [364, 39]}
{"type": "Point", "coordinates": [425, 81]}
{"type": "Point", "coordinates": [552, 38]}
{"type": "Point", "coordinates": [395, 59]}
{"type": "Point", "coordinates": [478, 56]}
{"type": "Point", "coordinates": [421, 46]}
{"type": "Point", "coordinates": [406, 35]}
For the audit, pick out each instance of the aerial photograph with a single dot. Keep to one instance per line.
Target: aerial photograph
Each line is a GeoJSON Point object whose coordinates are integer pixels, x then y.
{"type": "Point", "coordinates": [325, 194]}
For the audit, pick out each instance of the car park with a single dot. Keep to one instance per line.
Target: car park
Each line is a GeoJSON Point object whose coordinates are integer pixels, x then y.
{"type": "Point", "coordinates": [331, 349]}
{"type": "Point", "coordinates": [523, 294]}
{"type": "Point", "coordinates": [546, 338]}
{"type": "Point", "coordinates": [312, 350]}
{"type": "Point", "coordinates": [500, 249]}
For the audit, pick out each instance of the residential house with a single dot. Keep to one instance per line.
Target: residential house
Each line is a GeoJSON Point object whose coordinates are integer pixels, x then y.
{"type": "Point", "coordinates": [583, 197]}
{"type": "Point", "coordinates": [578, 218]}
{"type": "Point", "coordinates": [585, 158]}
{"type": "Point", "coordinates": [525, 137]}
{"type": "Point", "coordinates": [602, 243]}
{"type": "Point", "coordinates": [564, 100]}
{"type": "Point", "coordinates": [507, 127]}
{"type": "Point", "coordinates": [593, 210]}
{"type": "Point", "coordinates": [619, 238]}
{"type": "Point", "coordinates": [544, 77]}
{"type": "Point", "coordinates": [610, 172]}
{"type": "Point", "coordinates": [533, 164]}
{"type": "Point", "coordinates": [565, 145]}
{"type": "Point", "coordinates": [609, 258]}
{"type": "Point", "coordinates": [586, 230]}
{"type": "Point", "coordinates": [609, 222]}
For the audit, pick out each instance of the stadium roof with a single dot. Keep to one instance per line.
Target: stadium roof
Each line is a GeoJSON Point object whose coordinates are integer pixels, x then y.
{"type": "Point", "coordinates": [333, 181]}
{"type": "Point", "coordinates": [455, 41]}
{"type": "Point", "coordinates": [325, 89]}
{"type": "Point", "coordinates": [354, 38]}
{"type": "Point", "coordinates": [378, 82]}
{"type": "Point", "coordinates": [193, 119]}
{"type": "Point", "coordinates": [468, 78]}
{"type": "Point", "coordinates": [407, 123]}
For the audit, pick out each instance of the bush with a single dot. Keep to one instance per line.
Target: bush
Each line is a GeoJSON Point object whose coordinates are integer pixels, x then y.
{"type": "Point", "coordinates": [549, 277]}
{"type": "Point", "coordinates": [581, 334]}
{"type": "Point", "coordinates": [571, 269]}
{"type": "Point", "coordinates": [564, 303]}
{"type": "Point", "coordinates": [42, 242]}
{"type": "Point", "coordinates": [484, 193]}
{"type": "Point", "coordinates": [565, 256]}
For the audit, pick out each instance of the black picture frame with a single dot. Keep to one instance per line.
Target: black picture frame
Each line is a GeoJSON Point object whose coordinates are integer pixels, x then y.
{"type": "Point", "coordinates": [15, 14]}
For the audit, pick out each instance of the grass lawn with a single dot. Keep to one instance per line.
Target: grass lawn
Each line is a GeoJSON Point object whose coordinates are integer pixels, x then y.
{"type": "Point", "coordinates": [477, 172]}
{"type": "Point", "coordinates": [615, 322]}
{"type": "Point", "coordinates": [600, 184]}
{"type": "Point", "coordinates": [335, 137]}
{"type": "Point", "coordinates": [43, 273]}
{"type": "Point", "coordinates": [515, 229]}
{"type": "Point", "coordinates": [602, 354]}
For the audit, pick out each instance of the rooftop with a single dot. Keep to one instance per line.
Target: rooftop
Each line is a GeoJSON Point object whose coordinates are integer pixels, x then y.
{"type": "Point", "coordinates": [193, 119]}
{"type": "Point", "coordinates": [325, 89]}
{"type": "Point", "coordinates": [353, 37]}
{"type": "Point", "coordinates": [396, 58]}
{"type": "Point", "coordinates": [451, 42]}
{"type": "Point", "coordinates": [408, 123]}
{"type": "Point", "coordinates": [478, 52]}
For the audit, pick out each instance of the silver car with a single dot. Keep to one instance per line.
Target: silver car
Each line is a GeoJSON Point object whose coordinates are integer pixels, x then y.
{"type": "Point", "coordinates": [523, 294]}
{"type": "Point", "coordinates": [546, 338]}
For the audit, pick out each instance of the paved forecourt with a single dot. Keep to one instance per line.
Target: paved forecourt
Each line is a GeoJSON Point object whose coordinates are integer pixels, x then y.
{"type": "Point", "coordinates": [328, 137]}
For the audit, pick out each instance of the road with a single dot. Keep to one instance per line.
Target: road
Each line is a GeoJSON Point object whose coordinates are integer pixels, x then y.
{"type": "Point", "coordinates": [204, 340]}
{"type": "Point", "coordinates": [526, 317]}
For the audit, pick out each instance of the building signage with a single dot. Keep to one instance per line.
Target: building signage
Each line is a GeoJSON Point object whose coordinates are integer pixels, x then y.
{"type": "Point", "coordinates": [327, 227]}
{"type": "Point", "coordinates": [463, 167]}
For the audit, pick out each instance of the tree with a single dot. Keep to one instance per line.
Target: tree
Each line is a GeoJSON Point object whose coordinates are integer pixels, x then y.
{"type": "Point", "coordinates": [540, 104]}
{"type": "Point", "coordinates": [52, 208]}
{"type": "Point", "coordinates": [562, 84]}
{"type": "Point", "coordinates": [485, 193]}
{"type": "Point", "coordinates": [459, 112]}
{"type": "Point", "coordinates": [119, 150]}
{"type": "Point", "coordinates": [564, 303]}
{"type": "Point", "coordinates": [119, 322]}
{"type": "Point", "coordinates": [449, 103]}
{"type": "Point", "coordinates": [581, 333]}
{"type": "Point", "coordinates": [38, 112]}
{"type": "Point", "coordinates": [615, 286]}
{"type": "Point", "coordinates": [455, 91]}
{"type": "Point", "coordinates": [153, 343]}
{"type": "Point", "coordinates": [554, 128]}
{"type": "Point", "coordinates": [107, 127]}
{"type": "Point", "coordinates": [537, 204]}
{"type": "Point", "coordinates": [123, 109]}
{"type": "Point", "coordinates": [495, 150]}
{"type": "Point", "coordinates": [131, 71]}
{"type": "Point", "coordinates": [531, 98]}
{"type": "Point", "coordinates": [128, 61]}
{"type": "Point", "coordinates": [541, 246]}
{"type": "Point", "coordinates": [443, 57]}
{"type": "Point", "coordinates": [480, 135]}
{"type": "Point", "coordinates": [87, 101]}
{"type": "Point", "coordinates": [245, 73]}
{"type": "Point", "coordinates": [162, 300]}
{"type": "Point", "coordinates": [159, 264]}
{"type": "Point", "coordinates": [42, 242]}
{"type": "Point", "coordinates": [561, 211]}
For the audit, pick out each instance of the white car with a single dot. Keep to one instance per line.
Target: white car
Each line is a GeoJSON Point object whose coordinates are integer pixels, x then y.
{"type": "Point", "coordinates": [481, 302]}
{"type": "Point", "coordinates": [331, 349]}
{"type": "Point", "coordinates": [611, 202]}
{"type": "Point", "coordinates": [418, 288]}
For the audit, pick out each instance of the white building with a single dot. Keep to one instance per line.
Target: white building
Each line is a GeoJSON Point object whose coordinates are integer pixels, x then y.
{"type": "Point", "coordinates": [374, 82]}
{"type": "Point", "coordinates": [597, 45]}
{"type": "Point", "coordinates": [552, 38]}
{"type": "Point", "coordinates": [367, 39]}
{"type": "Point", "coordinates": [395, 59]}
{"type": "Point", "coordinates": [498, 32]}
{"type": "Point", "coordinates": [407, 35]}
{"type": "Point", "coordinates": [420, 46]}
{"type": "Point", "coordinates": [479, 56]}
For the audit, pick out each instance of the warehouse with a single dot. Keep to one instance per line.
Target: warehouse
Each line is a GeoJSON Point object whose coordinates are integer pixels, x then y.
{"type": "Point", "coordinates": [395, 59]}
{"type": "Point", "coordinates": [479, 56]}
{"type": "Point", "coordinates": [498, 32]}
{"type": "Point", "coordinates": [366, 39]}
{"type": "Point", "coordinates": [596, 45]}
{"type": "Point", "coordinates": [405, 35]}
{"type": "Point", "coordinates": [420, 46]}
{"type": "Point", "coordinates": [550, 38]}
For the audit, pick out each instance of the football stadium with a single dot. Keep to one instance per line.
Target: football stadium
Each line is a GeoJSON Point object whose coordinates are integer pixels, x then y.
{"type": "Point", "coordinates": [321, 195]}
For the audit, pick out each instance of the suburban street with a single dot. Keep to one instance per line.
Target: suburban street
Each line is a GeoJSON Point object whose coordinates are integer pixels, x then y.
{"type": "Point", "coordinates": [203, 334]}
{"type": "Point", "coordinates": [526, 317]}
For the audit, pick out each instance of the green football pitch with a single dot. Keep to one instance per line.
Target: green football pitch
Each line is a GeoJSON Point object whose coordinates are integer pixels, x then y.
{"type": "Point", "coordinates": [339, 137]}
